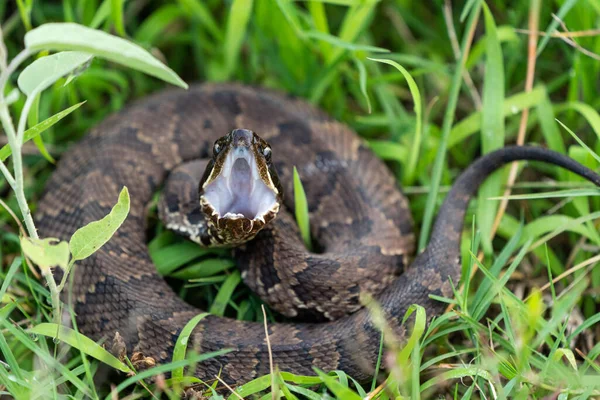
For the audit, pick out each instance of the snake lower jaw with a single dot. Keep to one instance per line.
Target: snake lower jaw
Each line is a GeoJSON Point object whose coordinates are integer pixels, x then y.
{"type": "Point", "coordinates": [235, 228]}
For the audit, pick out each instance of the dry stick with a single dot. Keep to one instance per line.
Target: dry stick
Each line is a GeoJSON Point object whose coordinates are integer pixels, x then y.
{"type": "Point", "coordinates": [273, 394]}
{"type": "Point", "coordinates": [573, 43]}
{"type": "Point", "coordinates": [229, 387]}
{"type": "Point", "coordinates": [571, 270]}
{"type": "Point", "coordinates": [456, 50]}
{"type": "Point", "coordinates": [375, 392]}
{"type": "Point", "coordinates": [591, 32]}
{"type": "Point", "coordinates": [531, 57]}
{"type": "Point", "coordinates": [534, 17]}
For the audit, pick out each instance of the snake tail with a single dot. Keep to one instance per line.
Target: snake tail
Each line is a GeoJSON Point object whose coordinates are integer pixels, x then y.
{"type": "Point", "coordinates": [443, 250]}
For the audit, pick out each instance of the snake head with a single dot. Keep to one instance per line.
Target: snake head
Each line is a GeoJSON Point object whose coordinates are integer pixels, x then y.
{"type": "Point", "coordinates": [240, 191]}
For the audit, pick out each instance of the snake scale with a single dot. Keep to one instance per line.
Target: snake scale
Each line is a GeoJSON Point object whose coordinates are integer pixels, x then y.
{"type": "Point", "coordinates": [360, 223]}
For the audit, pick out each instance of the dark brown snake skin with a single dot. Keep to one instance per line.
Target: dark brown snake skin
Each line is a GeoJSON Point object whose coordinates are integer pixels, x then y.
{"type": "Point", "coordinates": [360, 221]}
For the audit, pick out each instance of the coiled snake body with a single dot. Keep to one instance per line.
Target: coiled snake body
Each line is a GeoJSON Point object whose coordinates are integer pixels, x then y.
{"type": "Point", "coordinates": [359, 219]}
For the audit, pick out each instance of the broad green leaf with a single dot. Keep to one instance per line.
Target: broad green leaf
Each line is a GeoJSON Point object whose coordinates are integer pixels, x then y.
{"type": "Point", "coordinates": [85, 241]}
{"type": "Point", "coordinates": [492, 128]}
{"type": "Point", "coordinates": [301, 206]}
{"type": "Point", "coordinates": [70, 36]}
{"type": "Point", "coordinates": [36, 130]}
{"type": "Point", "coordinates": [181, 346]}
{"type": "Point", "coordinates": [46, 253]}
{"type": "Point", "coordinates": [80, 342]}
{"type": "Point", "coordinates": [43, 72]}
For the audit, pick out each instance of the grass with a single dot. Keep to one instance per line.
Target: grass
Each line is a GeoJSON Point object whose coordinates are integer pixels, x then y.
{"type": "Point", "coordinates": [503, 336]}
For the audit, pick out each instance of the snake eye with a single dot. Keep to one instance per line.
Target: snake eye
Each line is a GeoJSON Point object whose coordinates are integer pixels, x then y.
{"type": "Point", "coordinates": [267, 153]}
{"type": "Point", "coordinates": [216, 148]}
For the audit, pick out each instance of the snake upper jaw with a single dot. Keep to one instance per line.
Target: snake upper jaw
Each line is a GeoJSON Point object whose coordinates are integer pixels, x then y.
{"type": "Point", "coordinates": [240, 193]}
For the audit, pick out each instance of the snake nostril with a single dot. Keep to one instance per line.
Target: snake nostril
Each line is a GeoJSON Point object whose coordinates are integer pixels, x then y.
{"type": "Point", "coordinates": [241, 137]}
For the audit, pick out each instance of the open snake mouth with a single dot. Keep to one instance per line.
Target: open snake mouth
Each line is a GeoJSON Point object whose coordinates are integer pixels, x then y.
{"type": "Point", "coordinates": [239, 191]}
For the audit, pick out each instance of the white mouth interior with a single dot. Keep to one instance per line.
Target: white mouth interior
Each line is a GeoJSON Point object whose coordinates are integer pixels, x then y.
{"type": "Point", "coordinates": [238, 191]}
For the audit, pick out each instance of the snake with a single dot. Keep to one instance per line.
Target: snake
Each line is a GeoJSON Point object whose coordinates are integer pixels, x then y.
{"type": "Point", "coordinates": [251, 142]}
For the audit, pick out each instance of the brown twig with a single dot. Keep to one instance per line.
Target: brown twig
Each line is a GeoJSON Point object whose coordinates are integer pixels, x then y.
{"type": "Point", "coordinates": [273, 394]}
{"type": "Point", "coordinates": [573, 43]}
{"type": "Point", "coordinates": [229, 387]}
{"type": "Point", "coordinates": [534, 18]}
{"type": "Point", "coordinates": [372, 394]}
{"type": "Point", "coordinates": [559, 35]}
{"type": "Point", "coordinates": [531, 57]}
{"type": "Point", "coordinates": [571, 270]}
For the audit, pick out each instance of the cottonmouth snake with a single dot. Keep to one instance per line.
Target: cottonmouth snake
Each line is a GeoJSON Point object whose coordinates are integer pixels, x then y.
{"type": "Point", "coordinates": [360, 221]}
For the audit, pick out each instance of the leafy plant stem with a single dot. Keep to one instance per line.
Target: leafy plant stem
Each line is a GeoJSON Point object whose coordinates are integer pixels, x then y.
{"type": "Point", "coordinates": [7, 124]}
{"type": "Point", "coordinates": [15, 142]}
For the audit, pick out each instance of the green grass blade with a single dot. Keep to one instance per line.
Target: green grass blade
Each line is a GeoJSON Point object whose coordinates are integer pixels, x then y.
{"type": "Point", "coordinates": [440, 158]}
{"type": "Point", "coordinates": [410, 171]}
{"type": "Point", "coordinates": [167, 259]}
{"type": "Point", "coordinates": [588, 112]}
{"type": "Point", "coordinates": [511, 106]}
{"type": "Point", "coordinates": [237, 22]}
{"type": "Point", "coordinates": [585, 146]}
{"type": "Point", "coordinates": [562, 12]}
{"type": "Point", "coordinates": [37, 129]}
{"type": "Point", "coordinates": [492, 128]}
{"type": "Point", "coordinates": [116, 14]}
{"type": "Point", "coordinates": [338, 389]}
{"type": "Point", "coordinates": [362, 77]}
{"type": "Point", "coordinates": [301, 205]}
{"type": "Point", "coordinates": [180, 347]}
{"type": "Point", "coordinates": [161, 369]}
{"type": "Point", "coordinates": [197, 9]}
{"type": "Point", "coordinates": [417, 332]}
{"type": "Point", "coordinates": [80, 342]}
{"type": "Point", "coordinates": [224, 294]}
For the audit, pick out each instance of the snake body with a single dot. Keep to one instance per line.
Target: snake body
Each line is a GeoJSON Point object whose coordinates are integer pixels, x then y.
{"type": "Point", "coordinates": [360, 222]}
